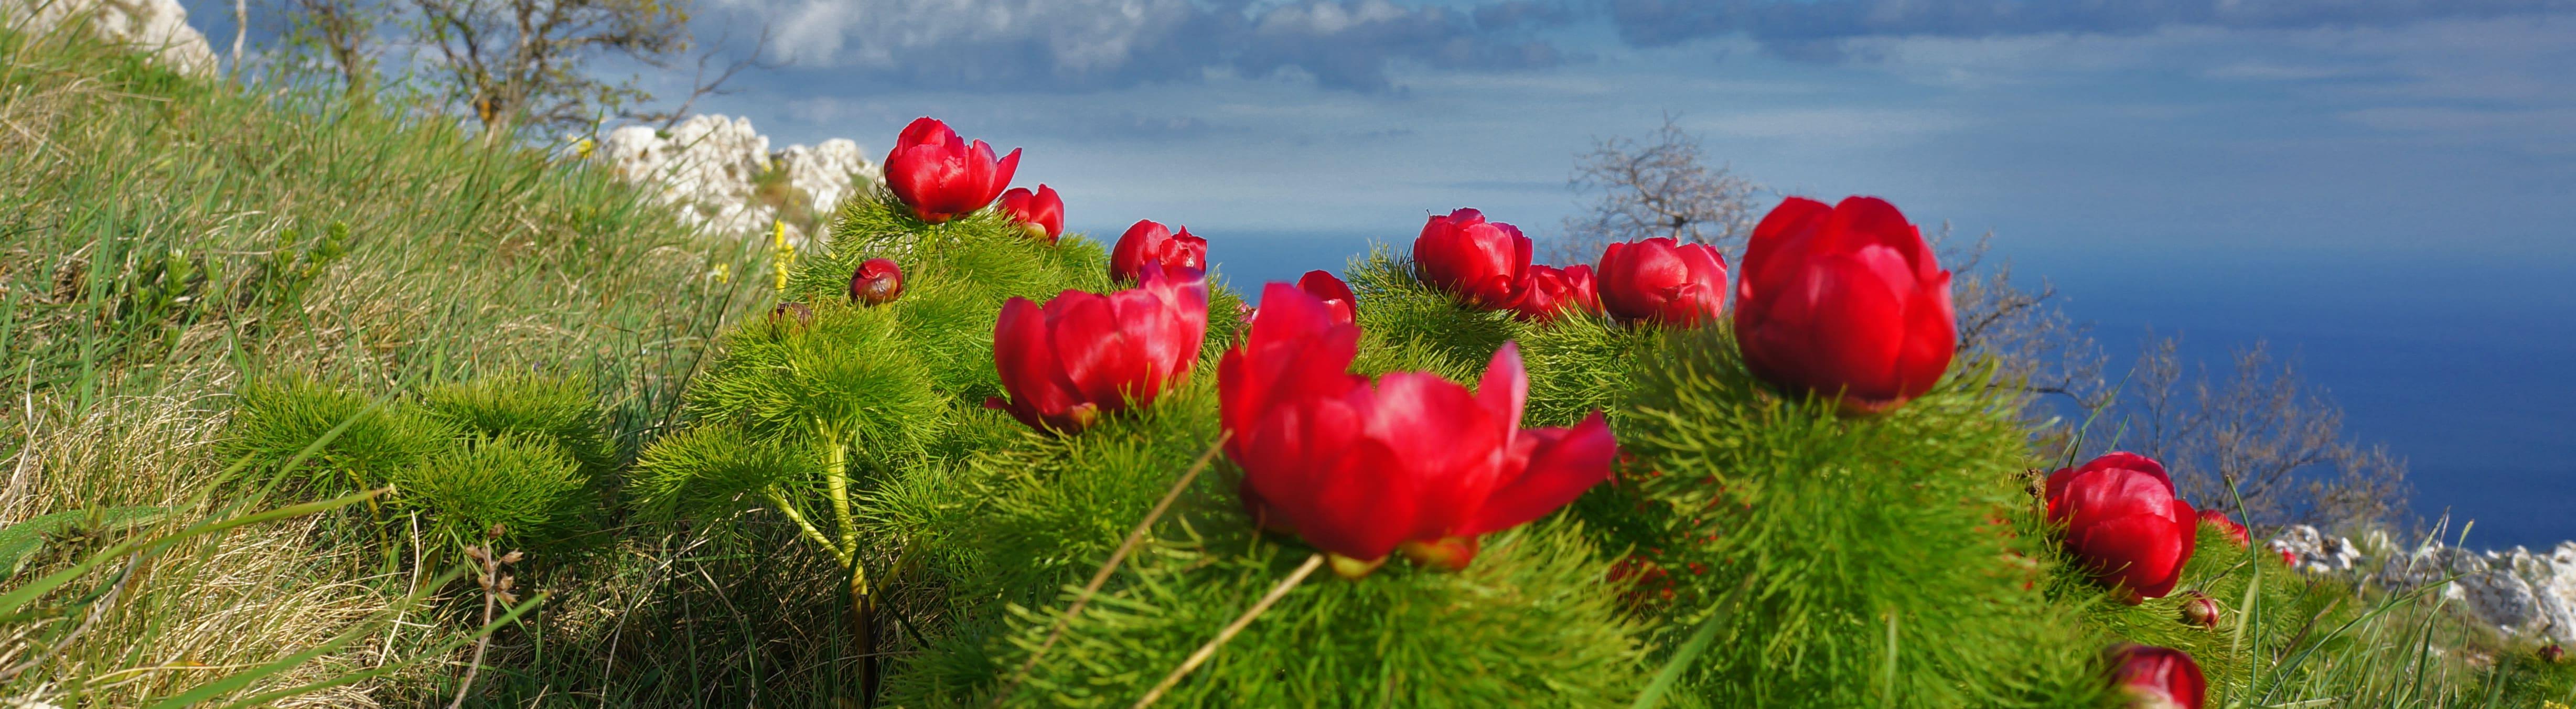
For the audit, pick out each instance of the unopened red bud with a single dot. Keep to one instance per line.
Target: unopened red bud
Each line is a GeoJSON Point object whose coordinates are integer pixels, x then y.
{"type": "Point", "coordinates": [2552, 653]}
{"type": "Point", "coordinates": [2199, 610]}
{"type": "Point", "coordinates": [877, 282]}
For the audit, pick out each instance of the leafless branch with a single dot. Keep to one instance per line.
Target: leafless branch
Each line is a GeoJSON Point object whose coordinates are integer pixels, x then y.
{"type": "Point", "coordinates": [701, 85]}
{"type": "Point", "coordinates": [1658, 186]}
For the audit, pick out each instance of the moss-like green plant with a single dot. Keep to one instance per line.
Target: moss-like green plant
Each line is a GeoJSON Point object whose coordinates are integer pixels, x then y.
{"type": "Point", "coordinates": [530, 488]}
{"type": "Point", "coordinates": [561, 411]}
{"type": "Point", "coordinates": [276, 420]}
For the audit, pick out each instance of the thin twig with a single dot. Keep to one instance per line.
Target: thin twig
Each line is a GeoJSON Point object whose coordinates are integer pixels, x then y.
{"type": "Point", "coordinates": [1208, 650]}
{"type": "Point", "coordinates": [1101, 577]}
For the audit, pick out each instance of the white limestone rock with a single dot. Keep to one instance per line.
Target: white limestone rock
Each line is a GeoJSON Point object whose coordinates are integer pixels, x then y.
{"type": "Point", "coordinates": [2316, 550]}
{"type": "Point", "coordinates": [157, 27]}
{"type": "Point", "coordinates": [2517, 591]}
{"type": "Point", "coordinates": [713, 165]}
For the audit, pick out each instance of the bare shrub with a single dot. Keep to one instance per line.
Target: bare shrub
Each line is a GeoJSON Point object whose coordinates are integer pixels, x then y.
{"type": "Point", "coordinates": [1658, 185]}
{"type": "Point", "coordinates": [2259, 430]}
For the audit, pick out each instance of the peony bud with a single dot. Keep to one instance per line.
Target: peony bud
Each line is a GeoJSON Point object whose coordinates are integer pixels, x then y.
{"type": "Point", "coordinates": [1180, 255]}
{"type": "Point", "coordinates": [2157, 677]}
{"type": "Point", "coordinates": [1660, 280]}
{"type": "Point", "coordinates": [1040, 213]}
{"type": "Point", "coordinates": [2234, 531]}
{"type": "Point", "coordinates": [1843, 301]}
{"type": "Point", "coordinates": [941, 176]}
{"type": "Point", "coordinates": [2123, 523]}
{"type": "Point", "coordinates": [876, 282]}
{"type": "Point", "coordinates": [1485, 264]}
{"type": "Point", "coordinates": [2199, 610]}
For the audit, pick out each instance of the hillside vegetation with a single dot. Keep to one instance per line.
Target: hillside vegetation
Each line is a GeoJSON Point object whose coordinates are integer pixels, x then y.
{"type": "Point", "coordinates": [316, 401]}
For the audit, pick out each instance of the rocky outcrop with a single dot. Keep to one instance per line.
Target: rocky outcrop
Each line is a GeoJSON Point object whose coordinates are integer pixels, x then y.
{"type": "Point", "coordinates": [157, 27]}
{"type": "Point", "coordinates": [723, 175]}
{"type": "Point", "coordinates": [2517, 591]}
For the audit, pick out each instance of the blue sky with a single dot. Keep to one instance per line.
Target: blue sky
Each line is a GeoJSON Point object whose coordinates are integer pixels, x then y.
{"type": "Point", "coordinates": [2382, 188]}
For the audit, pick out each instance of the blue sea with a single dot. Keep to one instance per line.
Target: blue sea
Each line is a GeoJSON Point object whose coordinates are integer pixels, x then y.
{"type": "Point", "coordinates": [2463, 365]}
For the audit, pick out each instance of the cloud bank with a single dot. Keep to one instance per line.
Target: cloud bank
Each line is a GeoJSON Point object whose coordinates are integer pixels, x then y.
{"type": "Point", "coordinates": [1099, 44]}
{"type": "Point", "coordinates": [1817, 29]}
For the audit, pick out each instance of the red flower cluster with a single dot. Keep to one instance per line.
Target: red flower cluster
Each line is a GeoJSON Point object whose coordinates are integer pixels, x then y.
{"type": "Point", "coordinates": [1413, 463]}
{"type": "Point", "coordinates": [2157, 677]}
{"type": "Point", "coordinates": [2123, 522]}
{"type": "Point", "coordinates": [1085, 354]}
{"type": "Point", "coordinates": [1041, 213]}
{"type": "Point", "coordinates": [1844, 301]}
{"type": "Point", "coordinates": [940, 176]}
{"type": "Point", "coordinates": [1150, 243]}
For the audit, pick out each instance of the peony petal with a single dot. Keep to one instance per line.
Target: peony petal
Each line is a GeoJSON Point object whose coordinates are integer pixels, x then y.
{"type": "Point", "coordinates": [1504, 388]}
{"type": "Point", "coordinates": [1447, 444]}
{"type": "Point", "coordinates": [1100, 360]}
{"type": "Point", "coordinates": [1555, 466]}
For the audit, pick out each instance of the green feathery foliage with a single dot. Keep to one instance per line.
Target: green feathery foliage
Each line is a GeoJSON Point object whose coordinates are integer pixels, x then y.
{"type": "Point", "coordinates": [1843, 561]}
{"type": "Point", "coordinates": [513, 450]}
{"type": "Point", "coordinates": [531, 488]}
{"type": "Point", "coordinates": [276, 420]}
{"type": "Point", "coordinates": [1408, 326]}
{"type": "Point", "coordinates": [710, 470]}
{"type": "Point", "coordinates": [558, 410]}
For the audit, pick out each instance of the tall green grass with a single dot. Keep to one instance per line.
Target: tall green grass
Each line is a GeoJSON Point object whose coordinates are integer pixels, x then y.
{"type": "Point", "coordinates": [164, 241]}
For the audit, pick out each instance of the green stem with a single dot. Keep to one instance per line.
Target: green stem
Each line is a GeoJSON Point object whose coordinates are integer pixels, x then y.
{"type": "Point", "coordinates": [780, 501]}
{"type": "Point", "coordinates": [836, 478]}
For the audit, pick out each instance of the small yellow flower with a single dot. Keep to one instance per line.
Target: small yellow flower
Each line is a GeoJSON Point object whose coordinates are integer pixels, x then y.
{"type": "Point", "coordinates": [582, 148]}
{"type": "Point", "coordinates": [723, 273]}
{"type": "Point", "coordinates": [786, 259]}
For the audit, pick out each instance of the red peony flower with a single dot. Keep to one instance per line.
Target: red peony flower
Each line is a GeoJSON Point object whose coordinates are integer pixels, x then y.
{"type": "Point", "coordinates": [876, 282]}
{"type": "Point", "coordinates": [1040, 212]}
{"type": "Point", "coordinates": [1663, 281]}
{"type": "Point", "coordinates": [1485, 264]}
{"type": "Point", "coordinates": [1845, 300]}
{"type": "Point", "coordinates": [940, 176]}
{"type": "Point", "coordinates": [1085, 354]}
{"type": "Point", "coordinates": [2157, 677]}
{"type": "Point", "coordinates": [2234, 531]}
{"type": "Point", "coordinates": [1148, 242]}
{"type": "Point", "coordinates": [1554, 292]}
{"type": "Point", "coordinates": [1414, 462]}
{"type": "Point", "coordinates": [2123, 523]}
{"type": "Point", "coordinates": [1335, 294]}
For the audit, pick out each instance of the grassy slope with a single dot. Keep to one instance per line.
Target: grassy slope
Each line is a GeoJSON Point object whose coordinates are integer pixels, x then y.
{"type": "Point", "coordinates": [163, 240]}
